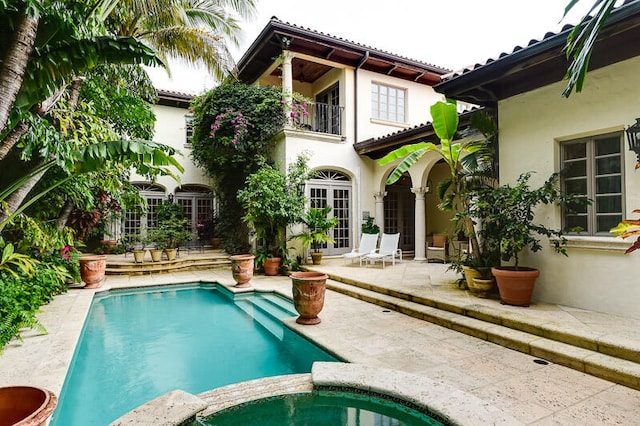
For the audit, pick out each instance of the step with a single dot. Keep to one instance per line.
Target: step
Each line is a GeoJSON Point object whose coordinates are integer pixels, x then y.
{"type": "Point", "coordinates": [146, 268]}
{"type": "Point", "coordinates": [607, 345]}
{"type": "Point", "coordinates": [265, 318]}
{"type": "Point", "coordinates": [590, 361]}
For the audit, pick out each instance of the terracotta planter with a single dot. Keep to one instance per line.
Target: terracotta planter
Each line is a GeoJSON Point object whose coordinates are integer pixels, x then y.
{"type": "Point", "coordinates": [308, 295]}
{"type": "Point", "coordinates": [215, 243]}
{"type": "Point", "coordinates": [156, 255]}
{"type": "Point", "coordinates": [272, 266]}
{"type": "Point", "coordinates": [482, 287]}
{"type": "Point", "coordinates": [242, 269]}
{"type": "Point", "coordinates": [171, 253]}
{"type": "Point", "coordinates": [92, 270]}
{"type": "Point", "coordinates": [138, 256]}
{"type": "Point", "coordinates": [316, 257]}
{"type": "Point", "coordinates": [515, 286]}
{"type": "Point", "coordinates": [26, 406]}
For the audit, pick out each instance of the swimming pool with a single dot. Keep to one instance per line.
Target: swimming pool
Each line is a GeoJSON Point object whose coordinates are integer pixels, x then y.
{"type": "Point", "coordinates": [139, 344]}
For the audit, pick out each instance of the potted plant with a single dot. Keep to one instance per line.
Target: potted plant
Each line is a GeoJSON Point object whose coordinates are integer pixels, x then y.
{"type": "Point", "coordinates": [208, 230]}
{"type": "Point", "coordinates": [317, 233]}
{"type": "Point", "coordinates": [370, 227]}
{"type": "Point", "coordinates": [272, 202]}
{"type": "Point", "coordinates": [508, 211]}
{"type": "Point", "coordinates": [172, 230]}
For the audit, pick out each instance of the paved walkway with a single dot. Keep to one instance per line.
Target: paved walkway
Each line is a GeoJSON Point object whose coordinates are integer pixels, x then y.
{"type": "Point", "coordinates": [368, 334]}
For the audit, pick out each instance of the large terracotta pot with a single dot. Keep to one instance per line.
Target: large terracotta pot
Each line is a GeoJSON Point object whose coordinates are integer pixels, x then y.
{"type": "Point", "coordinates": [26, 406]}
{"type": "Point", "coordinates": [92, 270]}
{"type": "Point", "coordinates": [272, 266]}
{"type": "Point", "coordinates": [308, 295]}
{"type": "Point", "coordinates": [242, 269]}
{"type": "Point", "coordinates": [515, 285]}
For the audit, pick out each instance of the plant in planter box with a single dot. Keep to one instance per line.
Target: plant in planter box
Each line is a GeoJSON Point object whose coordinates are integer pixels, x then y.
{"type": "Point", "coordinates": [272, 202]}
{"type": "Point", "coordinates": [317, 233]}
{"type": "Point", "coordinates": [508, 211]}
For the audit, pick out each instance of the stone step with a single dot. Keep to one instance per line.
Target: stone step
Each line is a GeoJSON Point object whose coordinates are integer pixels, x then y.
{"type": "Point", "coordinates": [129, 267]}
{"type": "Point", "coordinates": [531, 341]}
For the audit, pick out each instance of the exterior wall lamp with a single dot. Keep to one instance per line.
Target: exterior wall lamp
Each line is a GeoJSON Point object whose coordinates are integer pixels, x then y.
{"type": "Point", "coordinates": [170, 197]}
{"type": "Point", "coordinates": [633, 135]}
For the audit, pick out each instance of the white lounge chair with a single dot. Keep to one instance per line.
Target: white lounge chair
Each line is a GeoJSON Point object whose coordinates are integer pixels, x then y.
{"type": "Point", "coordinates": [368, 243]}
{"type": "Point", "coordinates": [389, 249]}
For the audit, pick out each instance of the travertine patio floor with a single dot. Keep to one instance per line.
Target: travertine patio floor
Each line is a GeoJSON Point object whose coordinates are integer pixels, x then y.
{"type": "Point", "coordinates": [368, 334]}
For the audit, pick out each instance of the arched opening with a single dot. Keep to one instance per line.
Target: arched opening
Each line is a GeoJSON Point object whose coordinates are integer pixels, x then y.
{"type": "Point", "coordinates": [399, 211]}
{"type": "Point", "coordinates": [333, 188]}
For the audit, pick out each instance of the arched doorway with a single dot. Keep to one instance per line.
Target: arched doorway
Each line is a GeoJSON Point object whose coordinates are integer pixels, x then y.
{"type": "Point", "coordinates": [399, 211]}
{"type": "Point", "coordinates": [333, 188]}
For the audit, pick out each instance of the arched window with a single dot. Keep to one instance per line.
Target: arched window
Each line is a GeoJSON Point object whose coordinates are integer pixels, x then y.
{"type": "Point", "coordinates": [333, 188]}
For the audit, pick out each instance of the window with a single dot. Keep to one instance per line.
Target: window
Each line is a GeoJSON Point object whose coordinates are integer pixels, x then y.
{"type": "Point", "coordinates": [188, 124]}
{"type": "Point", "coordinates": [388, 103]}
{"type": "Point", "coordinates": [593, 167]}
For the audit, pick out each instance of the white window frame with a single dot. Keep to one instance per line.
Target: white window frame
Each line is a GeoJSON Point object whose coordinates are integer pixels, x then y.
{"type": "Point", "coordinates": [592, 214]}
{"type": "Point", "coordinates": [377, 112]}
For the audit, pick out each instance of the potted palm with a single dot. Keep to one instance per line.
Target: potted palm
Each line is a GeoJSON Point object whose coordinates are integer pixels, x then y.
{"type": "Point", "coordinates": [318, 226]}
{"type": "Point", "coordinates": [509, 212]}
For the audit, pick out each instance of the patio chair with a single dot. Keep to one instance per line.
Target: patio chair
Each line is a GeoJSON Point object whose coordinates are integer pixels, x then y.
{"type": "Point", "coordinates": [388, 250]}
{"type": "Point", "coordinates": [437, 249]}
{"type": "Point", "coordinates": [367, 245]}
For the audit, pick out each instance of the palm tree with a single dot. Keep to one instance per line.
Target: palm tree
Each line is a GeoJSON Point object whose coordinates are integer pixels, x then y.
{"type": "Point", "coordinates": [194, 31]}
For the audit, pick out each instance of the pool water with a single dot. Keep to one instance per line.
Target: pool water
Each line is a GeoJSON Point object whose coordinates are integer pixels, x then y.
{"type": "Point", "coordinates": [139, 344]}
{"type": "Point", "coordinates": [320, 408]}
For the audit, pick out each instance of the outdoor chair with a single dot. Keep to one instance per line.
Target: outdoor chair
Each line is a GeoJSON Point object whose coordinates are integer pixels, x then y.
{"type": "Point", "coordinates": [437, 249]}
{"type": "Point", "coordinates": [368, 243]}
{"type": "Point", "coordinates": [389, 249]}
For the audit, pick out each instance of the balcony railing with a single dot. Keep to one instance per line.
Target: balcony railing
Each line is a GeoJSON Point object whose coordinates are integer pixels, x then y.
{"type": "Point", "coordinates": [322, 118]}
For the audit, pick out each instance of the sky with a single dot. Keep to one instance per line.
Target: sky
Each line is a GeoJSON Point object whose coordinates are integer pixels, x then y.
{"type": "Point", "coordinates": [447, 33]}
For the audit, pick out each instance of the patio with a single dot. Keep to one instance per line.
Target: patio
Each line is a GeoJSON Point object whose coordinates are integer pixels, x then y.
{"type": "Point", "coordinates": [374, 335]}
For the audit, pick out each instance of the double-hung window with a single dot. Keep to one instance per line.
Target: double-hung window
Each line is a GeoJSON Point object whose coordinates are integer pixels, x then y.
{"type": "Point", "coordinates": [388, 103]}
{"type": "Point", "coordinates": [593, 167]}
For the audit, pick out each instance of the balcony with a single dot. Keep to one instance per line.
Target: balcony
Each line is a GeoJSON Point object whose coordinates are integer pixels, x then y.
{"type": "Point", "coordinates": [320, 118]}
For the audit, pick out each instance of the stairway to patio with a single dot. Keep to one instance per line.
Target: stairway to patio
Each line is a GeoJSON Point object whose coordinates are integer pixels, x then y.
{"type": "Point", "coordinates": [187, 261]}
{"type": "Point", "coordinates": [598, 344]}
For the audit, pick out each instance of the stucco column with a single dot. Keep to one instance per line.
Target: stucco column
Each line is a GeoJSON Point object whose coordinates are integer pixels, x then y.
{"type": "Point", "coordinates": [379, 196]}
{"type": "Point", "coordinates": [421, 224]}
{"type": "Point", "coordinates": [287, 82]}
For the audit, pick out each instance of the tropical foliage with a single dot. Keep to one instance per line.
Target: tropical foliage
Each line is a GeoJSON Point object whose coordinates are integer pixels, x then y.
{"type": "Point", "coordinates": [273, 201]}
{"type": "Point", "coordinates": [318, 225]}
{"type": "Point", "coordinates": [234, 127]}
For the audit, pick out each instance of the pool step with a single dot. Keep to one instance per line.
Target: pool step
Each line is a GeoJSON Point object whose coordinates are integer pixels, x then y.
{"type": "Point", "coordinates": [267, 313]}
{"type": "Point", "coordinates": [582, 353]}
{"type": "Point", "coordinates": [121, 265]}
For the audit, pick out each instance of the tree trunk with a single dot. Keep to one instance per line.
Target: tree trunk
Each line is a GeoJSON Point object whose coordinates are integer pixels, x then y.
{"type": "Point", "coordinates": [64, 214]}
{"type": "Point", "coordinates": [16, 198]}
{"type": "Point", "coordinates": [14, 65]}
{"type": "Point", "coordinates": [12, 138]}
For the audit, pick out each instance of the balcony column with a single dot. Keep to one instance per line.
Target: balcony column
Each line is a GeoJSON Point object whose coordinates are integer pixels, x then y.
{"type": "Point", "coordinates": [379, 196]}
{"type": "Point", "coordinates": [421, 224]}
{"type": "Point", "coordinates": [287, 83]}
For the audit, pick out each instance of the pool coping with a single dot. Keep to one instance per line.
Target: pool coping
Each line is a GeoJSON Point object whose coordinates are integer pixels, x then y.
{"type": "Point", "coordinates": [443, 402]}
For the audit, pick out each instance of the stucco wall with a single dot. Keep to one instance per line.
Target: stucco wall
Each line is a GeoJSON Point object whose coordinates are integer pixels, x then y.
{"type": "Point", "coordinates": [531, 127]}
{"type": "Point", "coordinates": [170, 130]}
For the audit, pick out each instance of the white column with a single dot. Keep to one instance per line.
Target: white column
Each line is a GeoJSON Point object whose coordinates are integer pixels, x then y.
{"type": "Point", "coordinates": [287, 82]}
{"type": "Point", "coordinates": [421, 224]}
{"type": "Point", "coordinates": [379, 196]}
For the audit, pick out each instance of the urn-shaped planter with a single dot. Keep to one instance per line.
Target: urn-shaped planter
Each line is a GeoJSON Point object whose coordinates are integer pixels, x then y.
{"type": "Point", "coordinates": [171, 253]}
{"type": "Point", "coordinates": [308, 295]}
{"type": "Point", "coordinates": [316, 257]}
{"type": "Point", "coordinates": [156, 254]}
{"type": "Point", "coordinates": [272, 266]}
{"type": "Point", "coordinates": [26, 405]}
{"type": "Point", "coordinates": [92, 270]}
{"type": "Point", "coordinates": [515, 285]}
{"type": "Point", "coordinates": [138, 255]}
{"type": "Point", "coordinates": [242, 269]}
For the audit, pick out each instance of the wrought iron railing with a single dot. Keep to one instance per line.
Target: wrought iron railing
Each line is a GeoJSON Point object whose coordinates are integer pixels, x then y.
{"type": "Point", "coordinates": [322, 118]}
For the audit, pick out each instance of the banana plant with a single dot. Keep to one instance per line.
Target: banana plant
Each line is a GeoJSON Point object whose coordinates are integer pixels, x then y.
{"type": "Point", "coordinates": [146, 157]}
{"type": "Point", "coordinates": [10, 261]}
